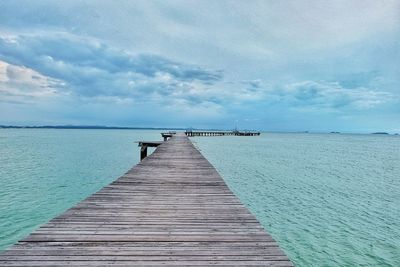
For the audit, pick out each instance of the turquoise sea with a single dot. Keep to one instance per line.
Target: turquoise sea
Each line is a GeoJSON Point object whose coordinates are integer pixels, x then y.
{"type": "Point", "coordinates": [328, 199]}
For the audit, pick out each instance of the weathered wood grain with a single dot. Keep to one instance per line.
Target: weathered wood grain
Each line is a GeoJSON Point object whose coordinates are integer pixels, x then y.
{"type": "Point", "coordinates": [172, 209]}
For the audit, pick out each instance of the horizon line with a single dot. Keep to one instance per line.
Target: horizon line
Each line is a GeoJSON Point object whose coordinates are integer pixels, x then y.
{"type": "Point", "coordinates": [100, 127]}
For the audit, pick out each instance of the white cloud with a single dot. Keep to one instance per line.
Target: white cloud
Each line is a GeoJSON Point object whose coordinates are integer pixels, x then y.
{"type": "Point", "coordinates": [18, 83]}
{"type": "Point", "coordinates": [332, 95]}
{"type": "Point", "coordinates": [88, 68]}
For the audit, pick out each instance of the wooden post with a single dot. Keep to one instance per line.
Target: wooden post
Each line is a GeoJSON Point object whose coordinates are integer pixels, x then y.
{"type": "Point", "coordinates": [144, 145]}
{"type": "Point", "coordinates": [143, 152]}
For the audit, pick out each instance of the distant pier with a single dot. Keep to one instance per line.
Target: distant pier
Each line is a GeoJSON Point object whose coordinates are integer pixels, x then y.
{"type": "Point", "coordinates": [221, 133]}
{"type": "Point", "coordinates": [171, 209]}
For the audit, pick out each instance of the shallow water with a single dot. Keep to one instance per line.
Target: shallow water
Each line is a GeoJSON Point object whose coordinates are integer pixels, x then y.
{"type": "Point", "coordinates": [45, 171]}
{"type": "Point", "coordinates": [328, 199]}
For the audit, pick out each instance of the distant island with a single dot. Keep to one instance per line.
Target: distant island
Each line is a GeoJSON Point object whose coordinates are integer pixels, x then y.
{"type": "Point", "coordinates": [380, 133]}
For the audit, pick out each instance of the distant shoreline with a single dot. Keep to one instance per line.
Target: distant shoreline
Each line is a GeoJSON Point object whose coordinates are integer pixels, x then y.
{"type": "Point", "coordinates": [96, 127]}
{"type": "Point", "coordinates": [88, 127]}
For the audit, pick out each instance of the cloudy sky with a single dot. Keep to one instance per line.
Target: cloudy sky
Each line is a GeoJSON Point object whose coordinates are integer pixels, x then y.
{"type": "Point", "coordinates": [269, 65]}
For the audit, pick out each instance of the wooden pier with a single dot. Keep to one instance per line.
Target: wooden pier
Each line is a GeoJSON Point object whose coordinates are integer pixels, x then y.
{"type": "Point", "coordinates": [221, 133]}
{"type": "Point", "coordinates": [172, 209]}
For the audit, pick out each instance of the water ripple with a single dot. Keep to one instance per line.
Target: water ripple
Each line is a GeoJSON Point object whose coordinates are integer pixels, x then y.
{"type": "Point", "coordinates": [329, 200]}
{"type": "Point", "coordinates": [45, 171]}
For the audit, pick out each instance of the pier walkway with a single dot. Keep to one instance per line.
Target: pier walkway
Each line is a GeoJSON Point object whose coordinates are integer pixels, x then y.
{"type": "Point", "coordinates": [221, 133]}
{"type": "Point", "coordinates": [172, 209]}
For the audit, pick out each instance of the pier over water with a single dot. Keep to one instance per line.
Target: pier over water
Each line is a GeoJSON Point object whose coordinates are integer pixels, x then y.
{"type": "Point", "coordinates": [171, 209]}
{"type": "Point", "coordinates": [221, 133]}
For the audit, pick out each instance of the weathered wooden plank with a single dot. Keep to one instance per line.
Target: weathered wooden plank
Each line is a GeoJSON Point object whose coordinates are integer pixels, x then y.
{"type": "Point", "coordinates": [172, 209]}
{"type": "Point", "coordinates": [143, 257]}
{"type": "Point", "coordinates": [153, 251]}
{"type": "Point", "coordinates": [191, 244]}
{"type": "Point", "coordinates": [144, 238]}
{"type": "Point", "coordinates": [269, 263]}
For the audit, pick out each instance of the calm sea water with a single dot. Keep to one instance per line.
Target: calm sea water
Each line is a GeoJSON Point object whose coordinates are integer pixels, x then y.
{"type": "Point", "coordinates": [329, 200]}
{"type": "Point", "coordinates": [44, 172]}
